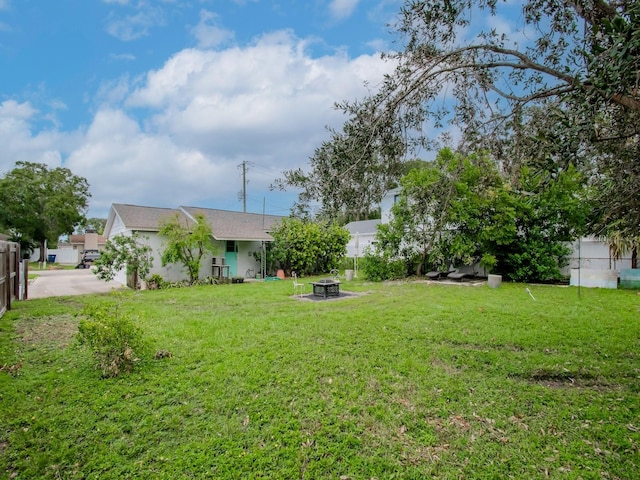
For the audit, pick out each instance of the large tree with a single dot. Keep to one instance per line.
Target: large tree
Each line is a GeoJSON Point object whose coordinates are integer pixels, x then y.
{"type": "Point", "coordinates": [40, 204]}
{"type": "Point", "coordinates": [576, 61]}
{"type": "Point", "coordinates": [92, 224]}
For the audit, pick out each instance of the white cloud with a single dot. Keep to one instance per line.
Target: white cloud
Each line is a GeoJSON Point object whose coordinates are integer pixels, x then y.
{"type": "Point", "coordinates": [267, 103]}
{"type": "Point", "coordinates": [123, 164]}
{"type": "Point", "coordinates": [269, 99]}
{"type": "Point", "coordinates": [341, 9]}
{"type": "Point", "coordinates": [20, 143]}
{"type": "Point", "coordinates": [209, 32]}
{"type": "Point", "coordinates": [137, 25]}
{"type": "Point", "coordinates": [4, 5]}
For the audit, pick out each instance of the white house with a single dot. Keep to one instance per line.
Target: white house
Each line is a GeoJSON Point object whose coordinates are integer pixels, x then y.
{"type": "Point", "coordinates": [239, 238]}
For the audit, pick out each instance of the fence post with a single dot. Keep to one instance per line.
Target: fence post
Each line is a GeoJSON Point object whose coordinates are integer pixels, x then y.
{"type": "Point", "coordinates": [25, 279]}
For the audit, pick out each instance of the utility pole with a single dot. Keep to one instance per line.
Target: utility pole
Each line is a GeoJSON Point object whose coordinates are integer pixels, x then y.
{"type": "Point", "coordinates": [243, 194]}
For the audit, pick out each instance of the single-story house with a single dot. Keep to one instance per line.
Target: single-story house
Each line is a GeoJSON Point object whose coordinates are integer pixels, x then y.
{"type": "Point", "coordinates": [239, 237]}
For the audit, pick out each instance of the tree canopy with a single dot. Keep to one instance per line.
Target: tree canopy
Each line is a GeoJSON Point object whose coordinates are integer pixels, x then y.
{"type": "Point", "coordinates": [307, 247]}
{"type": "Point", "coordinates": [38, 203]}
{"type": "Point", "coordinates": [566, 71]}
{"type": "Point", "coordinates": [350, 173]}
{"type": "Point", "coordinates": [92, 224]}
{"type": "Point", "coordinates": [458, 210]}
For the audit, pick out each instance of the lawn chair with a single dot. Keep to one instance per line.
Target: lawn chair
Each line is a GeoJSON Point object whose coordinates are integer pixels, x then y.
{"type": "Point", "coordinates": [459, 276]}
{"type": "Point", "coordinates": [298, 288]}
{"type": "Point", "coordinates": [436, 275]}
{"type": "Point", "coordinates": [335, 275]}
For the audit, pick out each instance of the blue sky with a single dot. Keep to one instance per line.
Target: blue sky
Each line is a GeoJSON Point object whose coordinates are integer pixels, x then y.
{"type": "Point", "coordinates": [158, 102]}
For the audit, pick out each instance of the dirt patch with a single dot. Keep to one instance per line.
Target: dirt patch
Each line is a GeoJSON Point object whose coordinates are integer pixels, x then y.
{"type": "Point", "coordinates": [570, 380]}
{"type": "Point", "coordinates": [56, 331]}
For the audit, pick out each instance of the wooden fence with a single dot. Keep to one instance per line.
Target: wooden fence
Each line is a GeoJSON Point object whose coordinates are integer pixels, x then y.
{"type": "Point", "coordinates": [9, 274]}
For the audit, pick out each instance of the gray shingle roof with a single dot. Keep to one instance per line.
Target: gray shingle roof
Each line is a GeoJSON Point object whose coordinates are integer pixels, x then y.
{"type": "Point", "coordinates": [146, 219]}
{"type": "Point", "coordinates": [363, 227]}
{"type": "Point", "coordinates": [227, 225]}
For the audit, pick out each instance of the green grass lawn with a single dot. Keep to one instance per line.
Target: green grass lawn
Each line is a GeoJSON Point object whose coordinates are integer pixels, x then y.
{"type": "Point", "coordinates": [407, 380]}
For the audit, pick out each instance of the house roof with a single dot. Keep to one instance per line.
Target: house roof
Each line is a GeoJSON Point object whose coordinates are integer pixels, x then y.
{"type": "Point", "coordinates": [225, 225]}
{"type": "Point", "coordinates": [228, 225]}
{"type": "Point", "coordinates": [363, 227]}
{"type": "Point", "coordinates": [147, 219]}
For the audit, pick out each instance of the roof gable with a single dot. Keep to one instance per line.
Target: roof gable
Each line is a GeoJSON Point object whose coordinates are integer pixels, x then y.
{"type": "Point", "coordinates": [148, 219]}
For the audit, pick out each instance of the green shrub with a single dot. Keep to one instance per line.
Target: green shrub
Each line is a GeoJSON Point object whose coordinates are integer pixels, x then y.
{"type": "Point", "coordinates": [379, 268]}
{"type": "Point", "coordinates": [156, 282]}
{"type": "Point", "coordinates": [113, 338]}
{"type": "Point", "coordinates": [347, 263]}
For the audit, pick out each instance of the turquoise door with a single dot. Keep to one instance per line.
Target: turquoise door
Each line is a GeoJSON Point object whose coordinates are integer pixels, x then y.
{"type": "Point", "coordinates": [231, 257]}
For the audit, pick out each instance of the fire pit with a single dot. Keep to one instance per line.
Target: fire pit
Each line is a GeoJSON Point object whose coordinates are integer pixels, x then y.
{"type": "Point", "coordinates": [326, 288]}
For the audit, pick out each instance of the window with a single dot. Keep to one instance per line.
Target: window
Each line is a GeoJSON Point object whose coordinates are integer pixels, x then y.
{"type": "Point", "coordinates": [231, 246]}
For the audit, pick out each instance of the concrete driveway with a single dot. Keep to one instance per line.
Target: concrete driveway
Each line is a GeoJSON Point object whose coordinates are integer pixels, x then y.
{"type": "Point", "coordinates": [58, 283]}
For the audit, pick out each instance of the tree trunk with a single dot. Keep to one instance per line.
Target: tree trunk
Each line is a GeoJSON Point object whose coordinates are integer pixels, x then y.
{"type": "Point", "coordinates": [634, 257]}
{"type": "Point", "coordinates": [43, 250]}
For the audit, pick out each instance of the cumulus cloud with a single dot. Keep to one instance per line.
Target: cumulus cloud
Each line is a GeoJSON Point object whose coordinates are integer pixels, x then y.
{"type": "Point", "coordinates": [124, 164]}
{"type": "Point", "coordinates": [20, 143]}
{"type": "Point", "coordinates": [177, 135]}
{"type": "Point", "coordinates": [341, 9]}
{"type": "Point", "coordinates": [209, 32]}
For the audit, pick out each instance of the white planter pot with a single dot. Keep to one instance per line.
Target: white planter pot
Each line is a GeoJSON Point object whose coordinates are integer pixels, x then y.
{"type": "Point", "coordinates": [348, 275]}
{"type": "Point", "coordinates": [494, 281]}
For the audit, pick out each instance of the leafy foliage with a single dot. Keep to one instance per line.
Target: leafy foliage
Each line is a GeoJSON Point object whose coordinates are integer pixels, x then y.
{"type": "Point", "coordinates": [378, 266]}
{"type": "Point", "coordinates": [113, 338]}
{"type": "Point", "coordinates": [350, 173]}
{"type": "Point", "coordinates": [187, 243]}
{"type": "Point", "coordinates": [309, 247]}
{"type": "Point", "coordinates": [94, 224]}
{"type": "Point", "coordinates": [459, 211]}
{"type": "Point", "coordinates": [40, 204]}
{"type": "Point", "coordinates": [561, 87]}
{"type": "Point", "coordinates": [550, 210]}
{"type": "Point", "coordinates": [132, 253]}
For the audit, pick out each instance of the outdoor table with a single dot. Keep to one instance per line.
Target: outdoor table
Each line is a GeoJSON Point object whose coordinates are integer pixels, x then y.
{"type": "Point", "coordinates": [326, 288]}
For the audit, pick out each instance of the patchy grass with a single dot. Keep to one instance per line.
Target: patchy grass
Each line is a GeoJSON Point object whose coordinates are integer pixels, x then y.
{"type": "Point", "coordinates": [405, 380]}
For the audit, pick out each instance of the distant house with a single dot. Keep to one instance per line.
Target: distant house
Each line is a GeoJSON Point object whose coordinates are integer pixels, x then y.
{"type": "Point", "coordinates": [87, 241]}
{"type": "Point", "coordinates": [70, 252]}
{"type": "Point", "coordinates": [239, 237]}
{"type": "Point", "coordinates": [363, 234]}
